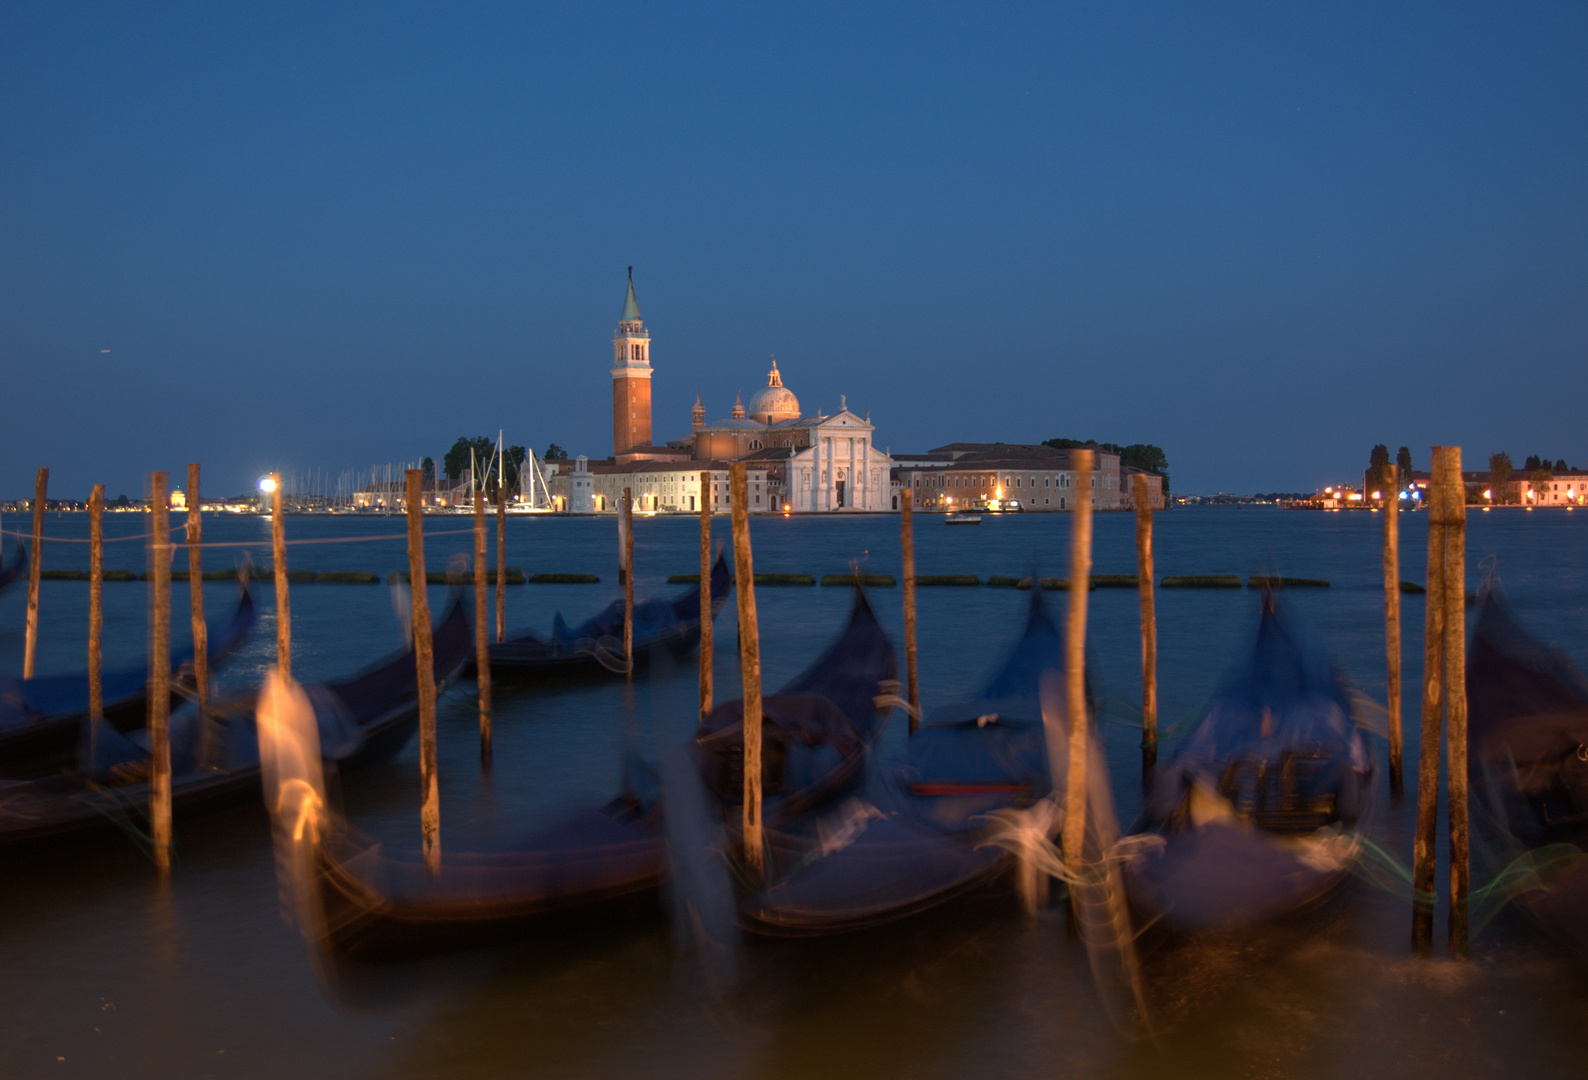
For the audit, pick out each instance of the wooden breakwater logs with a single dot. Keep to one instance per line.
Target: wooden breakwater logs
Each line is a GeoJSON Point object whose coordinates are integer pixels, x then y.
{"type": "Point", "coordinates": [785, 579]}
{"type": "Point", "coordinates": [346, 577]}
{"type": "Point", "coordinates": [562, 579]}
{"type": "Point", "coordinates": [947, 579]}
{"type": "Point", "coordinates": [684, 579]}
{"type": "Point", "coordinates": [1048, 583]}
{"type": "Point", "coordinates": [1269, 581]}
{"type": "Point", "coordinates": [1202, 581]}
{"type": "Point", "coordinates": [998, 582]}
{"type": "Point", "coordinates": [1116, 581]}
{"type": "Point", "coordinates": [120, 575]}
{"type": "Point", "coordinates": [515, 576]}
{"type": "Point", "coordinates": [63, 575]}
{"type": "Point", "coordinates": [1412, 587]}
{"type": "Point", "coordinates": [878, 580]}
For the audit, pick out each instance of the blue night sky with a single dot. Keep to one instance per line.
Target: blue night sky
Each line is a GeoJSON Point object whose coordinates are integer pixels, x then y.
{"type": "Point", "coordinates": [1263, 237]}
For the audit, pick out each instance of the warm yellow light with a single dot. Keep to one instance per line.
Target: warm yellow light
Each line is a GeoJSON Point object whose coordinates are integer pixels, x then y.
{"type": "Point", "coordinates": [1488, 493]}
{"type": "Point", "coordinates": [998, 493]}
{"type": "Point", "coordinates": [1378, 494]}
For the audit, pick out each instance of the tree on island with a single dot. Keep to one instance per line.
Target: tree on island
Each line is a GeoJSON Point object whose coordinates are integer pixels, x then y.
{"type": "Point", "coordinates": [1378, 460]}
{"type": "Point", "coordinates": [427, 469]}
{"type": "Point", "coordinates": [1403, 465]}
{"type": "Point", "coordinates": [1539, 480]}
{"type": "Point", "coordinates": [555, 453]}
{"type": "Point", "coordinates": [1500, 470]}
{"type": "Point", "coordinates": [1532, 464]}
{"type": "Point", "coordinates": [1561, 466]}
{"type": "Point", "coordinates": [484, 449]}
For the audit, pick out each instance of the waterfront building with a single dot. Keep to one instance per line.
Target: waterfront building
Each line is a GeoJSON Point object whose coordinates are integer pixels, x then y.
{"type": "Point", "coordinates": [656, 486]}
{"type": "Point", "coordinates": [992, 476]}
{"type": "Point", "coordinates": [631, 389]}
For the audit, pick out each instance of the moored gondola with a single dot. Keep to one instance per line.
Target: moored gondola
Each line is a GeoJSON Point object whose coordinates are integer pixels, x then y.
{"type": "Point", "coordinates": [595, 647]}
{"type": "Point", "coordinates": [1263, 809]}
{"type": "Point", "coordinates": [356, 899]}
{"type": "Point", "coordinates": [215, 760]}
{"type": "Point", "coordinates": [12, 571]}
{"type": "Point", "coordinates": [40, 717]}
{"type": "Point", "coordinates": [920, 835]}
{"type": "Point", "coordinates": [1528, 763]}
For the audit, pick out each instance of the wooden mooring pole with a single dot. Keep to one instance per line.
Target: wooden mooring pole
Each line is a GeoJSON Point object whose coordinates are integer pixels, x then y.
{"type": "Point", "coordinates": [160, 673]}
{"type": "Point", "coordinates": [750, 668]}
{"type": "Point", "coordinates": [1423, 858]}
{"type": "Point", "coordinates": [501, 562]}
{"type": "Point", "coordinates": [1074, 832]}
{"type": "Point", "coordinates": [1456, 695]}
{"type": "Point", "coordinates": [706, 601]}
{"type": "Point", "coordinates": [1149, 626]}
{"type": "Point", "coordinates": [278, 556]}
{"type": "Point", "coordinates": [424, 663]}
{"type": "Point", "coordinates": [30, 643]}
{"type": "Point", "coordinates": [627, 519]}
{"type": "Point", "coordinates": [1392, 624]}
{"type": "Point", "coordinates": [201, 636]}
{"type": "Point", "coordinates": [482, 644]}
{"type": "Point", "coordinates": [907, 543]}
{"type": "Point", "coordinates": [96, 605]}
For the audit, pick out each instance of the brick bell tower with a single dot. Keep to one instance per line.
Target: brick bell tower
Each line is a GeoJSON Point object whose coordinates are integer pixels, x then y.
{"type": "Point", "coordinates": [631, 379]}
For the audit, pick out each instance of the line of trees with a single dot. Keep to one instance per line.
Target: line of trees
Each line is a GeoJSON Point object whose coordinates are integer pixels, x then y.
{"type": "Point", "coordinates": [1144, 456]}
{"type": "Point", "coordinates": [483, 449]}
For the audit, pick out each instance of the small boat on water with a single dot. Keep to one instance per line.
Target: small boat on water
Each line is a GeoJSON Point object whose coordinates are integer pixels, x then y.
{"type": "Point", "coordinates": [920, 835]}
{"type": "Point", "coordinates": [357, 899]}
{"type": "Point", "coordinates": [962, 519]}
{"type": "Point", "coordinates": [595, 647]}
{"type": "Point", "coordinates": [1264, 807]}
{"type": "Point", "coordinates": [40, 717]}
{"type": "Point", "coordinates": [1528, 763]}
{"type": "Point", "coordinates": [215, 759]}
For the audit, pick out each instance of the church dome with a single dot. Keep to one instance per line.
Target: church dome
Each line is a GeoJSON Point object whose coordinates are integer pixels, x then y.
{"type": "Point", "coordinates": [774, 402]}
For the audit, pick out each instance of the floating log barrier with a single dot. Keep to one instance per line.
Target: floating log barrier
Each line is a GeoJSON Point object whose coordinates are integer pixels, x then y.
{"type": "Point", "coordinates": [342, 577]}
{"type": "Point", "coordinates": [750, 669]}
{"type": "Point", "coordinates": [1004, 582]}
{"type": "Point", "coordinates": [424, 661]}
{"type": "Point", "coordinates": [1074, 829]}
{"type": "Point", "coordinates": [1392, 624]}
{"type": "Point", "coordinates": [96, 607]}
{"type": "Point", "coordinates": [931, 580]}
{"type": "Point", "coordinates": [703, 579]}
{"type": "Point", "coordinates": [1432, 717]}
{"type": "Point", "coordinates": [501, 563]}
{"type": "Point", "coordinates": [1149, 626]}
{"type": "Point", "coordinates": [784, 579]}
{"type": "Point", "coordinates": [1269, 581]}
{"type": "Point", "coordinates": [482, 643]}
{"type": "Point", "coordinates": [686, 579]}
{"type": "Point", "coordinates": [561, 579]}
{"type": "Point", "coordinates": [1202, 581]}
{"type": "Point", "coordinates": [1456, 697]}
{"type": "Point", "coordinates": [160, 675]}
{"type": "Point", "coordinates": [30, 644]}
{"type": "Point", "coordinates": [907, 551]}
{"type": "Point", "coordinates": [1116, 581]}
{"type": "Point", "coordinates": [515, 576]}
{"type": "Point", "coordinates": [880, 581]}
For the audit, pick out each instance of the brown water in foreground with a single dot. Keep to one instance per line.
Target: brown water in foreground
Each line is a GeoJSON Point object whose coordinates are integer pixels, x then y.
{"type": "Point", "coordinates": [107, 972]}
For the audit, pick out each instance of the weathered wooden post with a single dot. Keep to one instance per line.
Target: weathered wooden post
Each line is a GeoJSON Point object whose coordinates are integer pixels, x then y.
{"type": "Point", "coordinates": [278, 557]}
{"type": "Point", "coordinates": [907, 543]}
{"type": "Point", "coordinates": [627, 518]}
{"type": "Point", "coordinates": [706, 658]}
{"type": "Point", "coordinates": [1149, 625]}
{"type": "Point", "coordinates": [1392, 626]}
{"type": "Point", "coordinates": [160, 674]}
{"type": "Point", "coordinates": [201, 635]}
{"type": "Point", "coordinates": [1074, 833]}
{"type": "Point", "coordinates": [1456, 694]}
{"type": "Point", "coordinates": [482, 646]}
{"type": "Point", "coordinates": [96, 602]}
{"type": "Point", "coordinates": [749, 666]}
{"type": "Point", "coordinates": [501, 562]}
{"type": "Point", "coordinates": [424, 662]}
{"type": "Point", "coordinates": [30, 646]}
{"type": "Point", "coordinates": [1432, 714]}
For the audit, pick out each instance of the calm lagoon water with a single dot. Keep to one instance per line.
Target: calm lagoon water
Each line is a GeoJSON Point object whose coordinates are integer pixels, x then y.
{"type": "Point", "coordinates": [108, 972]}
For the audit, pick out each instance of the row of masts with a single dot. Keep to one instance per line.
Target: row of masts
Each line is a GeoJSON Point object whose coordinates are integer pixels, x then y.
{"type": "Point", "coordinates": [317, 490]}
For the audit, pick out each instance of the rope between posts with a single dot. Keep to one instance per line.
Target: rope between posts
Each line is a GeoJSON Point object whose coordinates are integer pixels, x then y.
{"type": "Point", "coordinates": [237, 543]}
